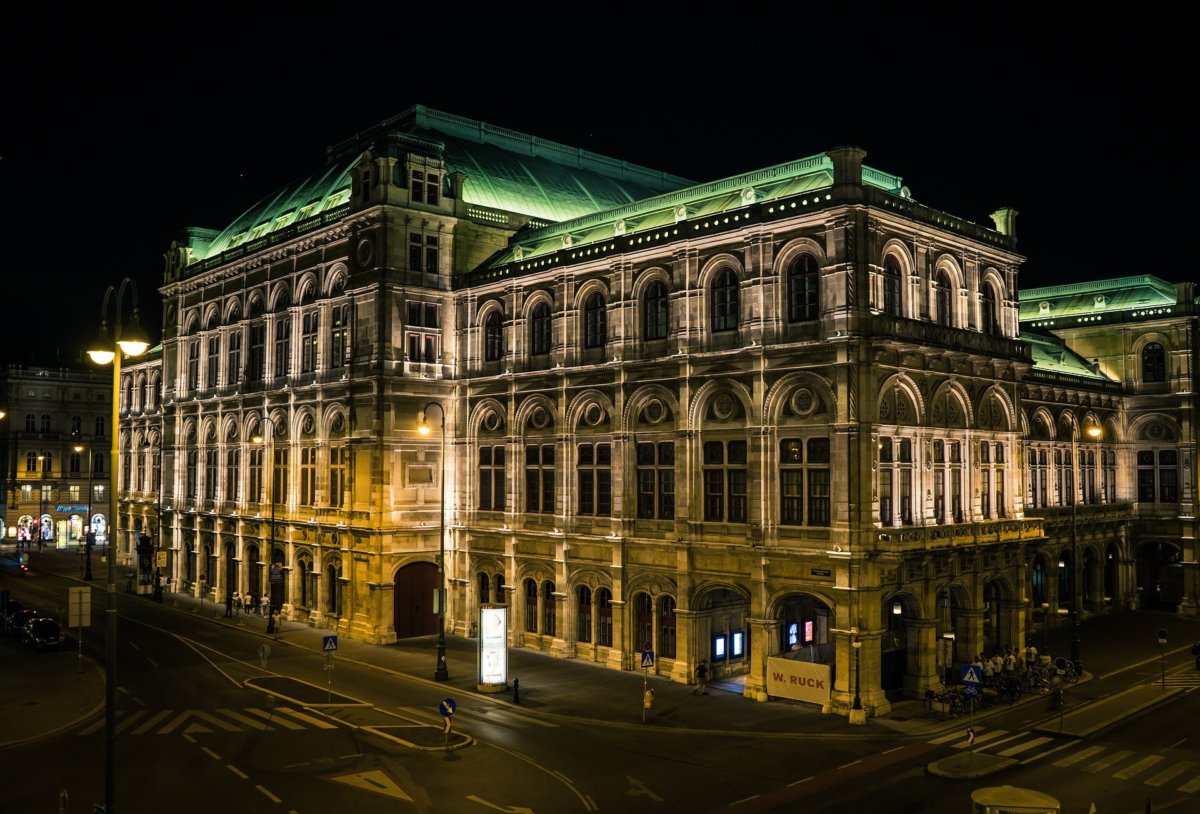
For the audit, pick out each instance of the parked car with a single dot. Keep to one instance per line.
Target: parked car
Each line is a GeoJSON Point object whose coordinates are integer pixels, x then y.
{"type": "Point", "coordinates": [42, 632]}
{"type": "Point", "coordinates": [16, 621]}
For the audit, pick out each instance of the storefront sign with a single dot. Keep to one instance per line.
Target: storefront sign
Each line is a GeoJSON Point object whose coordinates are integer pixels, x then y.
{"type": "Point", "coordinates": [493, 645]}
{"type": "Point", "coordinates": [799, 680]}
{"type": "Point", "coordinates": [70, 509]}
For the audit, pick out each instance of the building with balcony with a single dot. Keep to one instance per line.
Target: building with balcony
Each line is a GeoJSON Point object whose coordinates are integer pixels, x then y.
{"type": "Point", "coordinates": [50, 488]}
{"type": "Point", "coordinates": [768, 417]}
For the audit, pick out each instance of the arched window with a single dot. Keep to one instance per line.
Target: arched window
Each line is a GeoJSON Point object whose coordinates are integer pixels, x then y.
{"type": "Point", "coordinates": [654, 312]}
{"type": "Point", "coordinates": [595, 322]}
{"type": "Point", "coordinates": [891, 287]}
{"type": "Point", "coordinates": [45, 422]}
{"type": "Point", "coordinates": [493, 338]}
{"type": "Point", "coordinates": [548, 609]}
{"type": "Point", "coordinates": [1154, 363]}
{"type": "Point", "coordinates": [725, 301]}
{"type": "Point", "coordinates": [604, 622]}
{"type": "Point", "coordinates": [531, 603]}
{"type": "Point", "coordinates": [539, 330]}
{"type": "Point", "coordinates": [989, 323]}
{"type": "Point", "coordinates": [666, 628]}
{"type": "Point", "coordinates": [804, 302]}
{"type": "Point", "coordinates": [485, 587]}
{"type": "Point", "coordinates": [584, 615]}
{"type": "Point", "coordinates": [943, 297]}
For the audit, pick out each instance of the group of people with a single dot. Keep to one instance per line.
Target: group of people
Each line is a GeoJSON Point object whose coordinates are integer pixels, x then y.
{"type": "Point", "coordinates": [238, 603]}
{"type": "Point", "coordinates": [1006, 661]}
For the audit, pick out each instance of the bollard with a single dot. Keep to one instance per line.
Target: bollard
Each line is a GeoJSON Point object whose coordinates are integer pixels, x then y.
{"type": "Point", "coordinates": [516, 690]}
{"type": "Point", "coordinates": [647, 702]}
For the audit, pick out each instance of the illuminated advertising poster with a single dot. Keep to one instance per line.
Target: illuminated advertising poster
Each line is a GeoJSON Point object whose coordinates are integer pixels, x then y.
{"type": "Point", "coordinates": [493, 646]}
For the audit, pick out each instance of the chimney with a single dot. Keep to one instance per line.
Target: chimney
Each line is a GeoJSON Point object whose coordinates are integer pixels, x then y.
{"type": "Point", "coordinates": [457, 179]}
{"type": "Point", "coordinates": [1006, 221]}
{"type": "Point", "coordinates": [847, 171]}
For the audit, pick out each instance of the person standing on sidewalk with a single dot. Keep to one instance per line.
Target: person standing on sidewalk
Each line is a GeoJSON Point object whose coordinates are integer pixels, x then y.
{"type": "Point", "coordinates": [701, 679]}
{"type": "Point", "coordinates": [247, 603]}
{"type": "Point", "coordinates": [265, 607]}
{"type": "Point", "coordinates": [228, 605]}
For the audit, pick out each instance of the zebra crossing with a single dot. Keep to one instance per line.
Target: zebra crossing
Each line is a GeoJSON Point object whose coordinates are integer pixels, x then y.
{"type": "Point", "coordinates": [1190, 678]}
{"type": "Point", "coordinates": [1120, 764]}
{"type": "Point", "coordinates": [199, 721]}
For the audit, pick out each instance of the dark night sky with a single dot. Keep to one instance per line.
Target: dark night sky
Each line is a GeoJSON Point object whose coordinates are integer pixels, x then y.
{"type": "Point", "coordinates": [112, 141]}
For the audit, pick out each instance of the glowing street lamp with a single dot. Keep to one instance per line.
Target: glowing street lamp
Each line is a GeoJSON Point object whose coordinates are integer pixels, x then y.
{"type": "Point", "coordinates": [107, 349]}
{"type": "Point", "coordinates": [440, 672]}
{"type": "Point", "coordinates": [1094, 433]}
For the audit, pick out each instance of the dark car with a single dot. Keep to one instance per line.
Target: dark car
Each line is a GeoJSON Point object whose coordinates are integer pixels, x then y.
{"type": "Point", "coordinates": [16, 621]}
{"type": "Point", "coordinates": [41, 632]}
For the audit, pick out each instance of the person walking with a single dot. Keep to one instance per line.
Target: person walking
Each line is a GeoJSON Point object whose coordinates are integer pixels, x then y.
{"type": "Point", "coordinates": [701, 679]}
{"type": "Point", "coordinates": [247, 603]}
{"type": "Point", "coordinates": [228, 605]}
{"type": "Point", "coordinates": [237, 603]}
{"type": "Point", "coordinates": [265, 606]}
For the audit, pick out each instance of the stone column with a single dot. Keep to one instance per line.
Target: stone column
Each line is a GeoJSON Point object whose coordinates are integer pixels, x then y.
{"type": "Point", "coordinates": [764, 642]}
{"type": "Point", "coordinates": [921, 656]}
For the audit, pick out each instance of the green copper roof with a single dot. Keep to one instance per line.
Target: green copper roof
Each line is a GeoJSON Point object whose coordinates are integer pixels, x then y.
{"type": "Point", "coordinates": [807, 175]}
{"type": "Point", "coordinates": [504, 169]}
{"type": "Point", "coordinates": [1078, 302]}
{"type": "Point", "coordinates": [1051, 355]}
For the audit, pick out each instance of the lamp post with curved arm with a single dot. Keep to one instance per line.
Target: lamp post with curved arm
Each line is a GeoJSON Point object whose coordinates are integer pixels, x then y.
{"type": "Point", "coordinates": [440, 672]}
{"type": "Point", "coordinates": [1094, 433]}
{"type": "Point", "coordinates": [89, 538]}
{"type": "Point", "coordinates": [107, 348]}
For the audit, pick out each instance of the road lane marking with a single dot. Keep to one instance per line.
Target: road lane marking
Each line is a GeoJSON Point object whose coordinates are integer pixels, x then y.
{"type": "Point", "coordinates": [1139, 767]}
{"type": "Point", "coordinates": [1025, 747]}
{"type": "Point", "coordinates": [810, 777]}
{"type": "Point", "coordinates": [1078, 756]}
{"type": "Point", "coordinates": [1171, 773]}
{"type": "Point", "coordinates": [317, 722]}
{"type": "Point", "coordinates": [1101, 765]}
{"type": "Point", "coordinates": [152, 722]}
{"type": "Point", "coordinates": [743, 800]}
{"type": "Point", "coordinates": [250, 722]}
{"type": "Point", "coordinates": [134, 646]}
{"type": "Point", "coordinates": [896, 749]}
{"type": "Point", "coordinates": [1191, 786]}
{"type": "Point", "coordinates": [848, 765]}
{"type": "Point", "coordinates": [376, 781]}
{"type": "Point", "coordinates": [95, 727]}
{"type": "Point", "coordinates": [153, 663]}
{"type": "Point", "coordinates": [273, 719]}
{"type": "Point", "coordinates": [210, 753]}
{"type": "Point", "coordinates": [270, 796]}
{"type": "Point", "coordinates": [187, 737]}
{"type": "Point", "coordinates": [238, 772]}
{"type": "Point", "coordinates": [1177, 744]}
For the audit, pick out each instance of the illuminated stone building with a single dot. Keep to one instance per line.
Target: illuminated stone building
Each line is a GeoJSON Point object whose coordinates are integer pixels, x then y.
{"type": "Point", "coordinates": [773, 413]}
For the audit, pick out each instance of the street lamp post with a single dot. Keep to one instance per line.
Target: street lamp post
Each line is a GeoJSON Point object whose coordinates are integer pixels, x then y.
{"type": "Point", "coordinates": [88, 538]}
{"type": "Point", "coordinates": [440, 672]}
{"type": "Point", "coordinates": [108, 349]}
{"type": "Point", "coordinates": [1094, 433]}
{"type": "Point", "coordinates": [41, 459]}
{"type": "Point", "coordinates": [857, 715]}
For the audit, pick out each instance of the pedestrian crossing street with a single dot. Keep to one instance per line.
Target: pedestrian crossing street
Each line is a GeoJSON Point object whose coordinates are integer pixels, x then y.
{"type": "Point", "coordinates": [1068, 753]}
{"type": "Point", "coordinates": [193, 721]}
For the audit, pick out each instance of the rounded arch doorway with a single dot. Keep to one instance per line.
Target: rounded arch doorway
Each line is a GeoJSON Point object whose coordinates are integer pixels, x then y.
{"type": "Point", "coordinates": [414, 614]}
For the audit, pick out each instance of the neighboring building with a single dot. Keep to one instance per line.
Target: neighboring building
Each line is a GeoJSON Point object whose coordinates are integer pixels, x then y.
{"type": "Point", "coordinates": [778, 413]}
{"type": "Point", "coordinates": [1118, 355]}
{"type": "Point", "coordinates": [50, 488]}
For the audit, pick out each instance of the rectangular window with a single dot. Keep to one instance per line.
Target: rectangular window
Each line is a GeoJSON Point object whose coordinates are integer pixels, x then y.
{"type": "Point", "coordinates": [595, 479]}
{"type": "Point", "coordinates": [214, 360]}
{"type": "Point", "coordinates": [725, 482]}
{"type": "Point", "coordinates": [256, 357]}
{"type": "Point", "coordinates": [422, 332]}
{"type": "Point", "coordinates": [233, 365]}
{"type": "Point", "coordinates": [279, 477]}
{"type": "Point", "coordinates": [337, 476]}
{"type": "Point", "coordinates": [210, 474]}
{"type": "Point", "coordinates": [492, 483]}
{"type": "Point", "coordinates": [193, 379]}
{"type": "Point", "coordinates": [233, 460]}
{"type": "Point", "coordinates": [539, 479]}
{"type": "Point", "coordinates": [414, 252]}
{"type": "Point", "coordinates": [985, 494]}
{"type": "Point", "coordinates": [1145, 482]}
{"type": "Point", "coordinates": [425, 187]}
{"type": "Point", "coordinates": [283, 347]}
{"type": "Point", "coordinates": [1168, 476]}
{"type": "Point", "coordinates": [308, 476]}
{"type": "Point", "coordinates": [193, 462]}
{"type": "Point", "coordinates": [255, 475]}
{"type": "Point", "coordinates": [308, 342]}
{"type": "Point", "coordinates": [339, 336]}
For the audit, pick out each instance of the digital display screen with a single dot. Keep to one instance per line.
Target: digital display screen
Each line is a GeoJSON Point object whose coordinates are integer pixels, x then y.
{"type": "Point", "coordinates": [493, 645]}
{"type": "Point", "coordinates": [719, 647]}
{"type": "Point", "coordinates": [736, 651]}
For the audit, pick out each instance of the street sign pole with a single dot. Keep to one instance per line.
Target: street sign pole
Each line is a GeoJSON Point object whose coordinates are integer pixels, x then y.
{"type": "Point", "coordinates": [1162, 647]}
{"type": "Point", "coordinates": [330, 645]}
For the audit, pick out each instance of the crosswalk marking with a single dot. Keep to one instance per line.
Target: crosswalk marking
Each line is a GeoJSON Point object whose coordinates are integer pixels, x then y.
{"type": "Point", "coordinates": [1139, 767]}
{"type": "Point", "coordinates": [273, 719]}
{"type": "Point", "coordinates": [250, 722]}
{"type": "Point", "coordinates": [1176, 770]}
{"type": "Point", "coordinates": [1078, 756]}
{"type": "Point", "coordinates": [1104, 763]}
{"type": "Point", "coordinates": [1192, 785]}
{"type": "Point", "coordinates": [95, 727]}
{"type": "Point", "coordinates": [152, 722]}
{"type": "Point", "coordinates": [125, 723]}
{"type": "Point", "coordinates": [1024, 747]}
{"type": "Point", "coordinates": [308, 719]}
{"type": "Point", "coordinates": [951, 737]}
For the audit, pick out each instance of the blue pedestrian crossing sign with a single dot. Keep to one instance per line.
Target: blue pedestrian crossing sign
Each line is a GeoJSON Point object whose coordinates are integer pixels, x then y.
{"type": "Point", "coordinates": [647, 659]}
{"type": "Point", "coordinates": [329, 644]}
{"type": "Point", "coordinates": [970, 674]}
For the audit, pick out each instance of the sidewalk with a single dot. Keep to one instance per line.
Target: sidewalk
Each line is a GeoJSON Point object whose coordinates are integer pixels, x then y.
{"type": "Point", "coordinates": [572, 688]}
